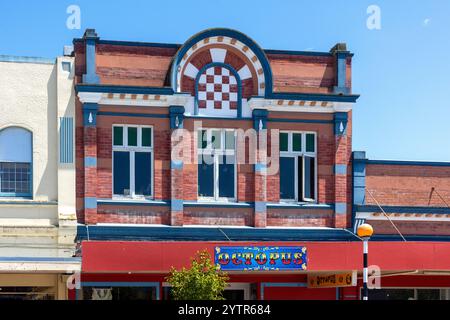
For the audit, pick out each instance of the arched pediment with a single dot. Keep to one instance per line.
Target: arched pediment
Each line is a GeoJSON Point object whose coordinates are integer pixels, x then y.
{"type": "Point", "coordinates": [231, 48]}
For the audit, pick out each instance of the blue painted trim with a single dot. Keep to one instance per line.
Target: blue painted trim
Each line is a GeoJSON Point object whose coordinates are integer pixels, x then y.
{"type": "Point", "coordinates": [340, 169]}
{"type": "Point", "coordinates": [156, 285]}
{"type": "Point", "coordinates": [177, 46]}
{"type": "Point", "coordinates": [111, 202]}
{"type": "Point", "coordinates": [90, 203]}
{"type": "Point", "coordinates": [172, 233]}
{"type": "Point", "coordinates": [90, 76]}
{"type": "Point", "coordinates": [315, 97]}
{"type": "Point", "coordinates": [176, 113]}
{"type": "Point", "coordinates": [358, 181]}
{"type": "Point", "coordinates": [18, 59]}
{"type": "Point", "coordinates": [168, 233]}
{"type": "Point", "coordinates": [90, 110]}
{"type": "Point", "coordinates": [227, 33]}
{"type": "Point", "coordinates": [305, 206]}
{"type": "Point", "coordinates": [40, 259]}
{"type": "Point", "coordinates": [194, 204]}
{"type": "Point", "coordinates": [77, 294]}
{"type": "Point", "coordinates": [340, 118]}
{"type": "Point", "coordinates": [340, 208]}
{"type": "Point", "coordinates": [409, 163]}
{"type": "Point", "coordinates": [260, 116]}
{"type": "Point", "coordinates": [176, 205]}
{"type": "Point", "coordinates": [90, 161]}
{"type": "Point", "coordinates": [235, 74]}
{"type": "Point", "coordinates": [201, 117]}
{"type": "Point", "coordinates": [219, 204]}
{"type": "Point", "coordinates": [285, 284]}
{"type": "Point", "coordinates": [66, 140]}
{"type": "Point", "coordinates": [15, 195]}
{"type": "Point", "coordinates": [403, 209]}
{"type": "Point", "coordinates": [341, 72]}
{"type": "Point", "coordinates": [260, 167]}
{"type": "Point", "coordinates": [129, 114]}
{"type": "Point", "coordinates": [124, 89]}
{"type": "Point", "coordinates": [176, 165]}
{"type": "Point", "coordinates": [30, 202]}
{"type": "Point", "coordinates": [300, 120]}
{"type": "Point", "coordinates": [261, 206]}
{"type": "Point", "coordinates": [263, 285]}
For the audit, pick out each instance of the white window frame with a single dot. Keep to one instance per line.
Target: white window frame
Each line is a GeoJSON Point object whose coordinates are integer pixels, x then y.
{"type": "Point", "coordinates": [132, 150]}
{"type": "Point", "coordinates": [294, 154]}
{"type": "Point", "coordinates": [217, 153]}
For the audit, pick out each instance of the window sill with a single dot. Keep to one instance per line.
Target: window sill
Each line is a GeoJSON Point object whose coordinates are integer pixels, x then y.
{"type": "Point", "coordinates": [133, 201]}
{"type": "Point", "coordinates": [206, 203]}
{"type": "Point", "coordinates": [24, 196]}
{"type": "Point", "coordinates": [300, 205]}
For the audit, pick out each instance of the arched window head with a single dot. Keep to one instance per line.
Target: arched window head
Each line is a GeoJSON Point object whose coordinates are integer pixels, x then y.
{"type": "Point", "coordinates": [15, 162]}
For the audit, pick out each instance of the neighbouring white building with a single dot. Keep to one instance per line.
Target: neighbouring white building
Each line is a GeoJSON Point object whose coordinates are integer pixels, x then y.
{"type": "Point", "coordinates": [37, 177]}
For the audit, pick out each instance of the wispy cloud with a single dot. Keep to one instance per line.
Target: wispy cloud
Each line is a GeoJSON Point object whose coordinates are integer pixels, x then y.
{"type": "Point", "coordinates": [426, 22]}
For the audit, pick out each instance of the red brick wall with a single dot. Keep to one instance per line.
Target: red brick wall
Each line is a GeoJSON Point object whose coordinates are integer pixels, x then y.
{"type": "Point", "coordinates": [149, 66]}
{"type": "Point", "coordinates": [404, 185]}
{"type": "Point", "coordinates": [245, 181]}
{"type": "Point", "coordinates": [128, 65]}
{"type": "Point", "coordinates": [219, 216]}
{"type": "Point", "coordinates": [299, 218]}
{"type": "Point", "coordinates": [133, 214]}
{"type": "Point", "coordinates": [296, 73]}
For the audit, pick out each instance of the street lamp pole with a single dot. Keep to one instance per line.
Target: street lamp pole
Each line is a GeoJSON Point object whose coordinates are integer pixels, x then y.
{"type": "Point", "coordinates": [365, 273]}
{"type": "Point", "coordinates": [365, 231]}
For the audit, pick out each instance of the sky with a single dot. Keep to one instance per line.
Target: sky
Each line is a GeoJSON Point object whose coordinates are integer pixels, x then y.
{"type": "Point", "coordinates": [401, 69]}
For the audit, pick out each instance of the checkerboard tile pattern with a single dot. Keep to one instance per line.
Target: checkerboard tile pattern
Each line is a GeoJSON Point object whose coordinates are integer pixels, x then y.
{"type": "Point", "coordinates": [218, 89]}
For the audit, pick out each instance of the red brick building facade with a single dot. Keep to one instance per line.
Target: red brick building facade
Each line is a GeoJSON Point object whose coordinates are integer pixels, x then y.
{"type": "Point", "coordinates": [220, 140]}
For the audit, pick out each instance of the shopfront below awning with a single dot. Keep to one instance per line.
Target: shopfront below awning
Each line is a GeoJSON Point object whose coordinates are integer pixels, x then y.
{"type": "Point", "coordinates": [160, 256]}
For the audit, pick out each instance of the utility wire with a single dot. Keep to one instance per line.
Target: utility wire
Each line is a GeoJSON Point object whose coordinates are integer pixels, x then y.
{"type": "Point", "coordinates": [384, 213]}
{"type": "Point", "coordinates": [224, 234]}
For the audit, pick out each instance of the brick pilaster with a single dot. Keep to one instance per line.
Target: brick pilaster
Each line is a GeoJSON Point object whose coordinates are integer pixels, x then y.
{"type": "Point", "coordinates": [260, 125]}
{"type": "Point", "coordinates": [176, 166]}
{"type": "Point", "coordinates": [340, 169]}
{"type": "Point", "coordinates": [90, 162]}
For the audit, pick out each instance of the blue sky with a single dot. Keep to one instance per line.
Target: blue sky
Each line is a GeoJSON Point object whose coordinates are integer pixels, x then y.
{"type": "Point", "coordinates": [402, 71]}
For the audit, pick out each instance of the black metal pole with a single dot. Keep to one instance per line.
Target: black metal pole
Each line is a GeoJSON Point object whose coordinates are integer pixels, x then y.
{"type": "Point", "coordinates": [365, 273]}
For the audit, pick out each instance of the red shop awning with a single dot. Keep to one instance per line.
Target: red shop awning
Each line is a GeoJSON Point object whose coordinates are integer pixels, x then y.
{"type": "Point", "coordinates": [159, 257]}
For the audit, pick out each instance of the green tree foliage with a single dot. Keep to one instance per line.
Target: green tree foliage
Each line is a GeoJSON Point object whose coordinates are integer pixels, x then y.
{"type": "Point", "coordinates": [203, 281]}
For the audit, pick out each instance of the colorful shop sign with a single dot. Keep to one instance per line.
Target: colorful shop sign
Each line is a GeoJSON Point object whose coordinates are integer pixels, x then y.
{"type": "Point", "coordinates": [260, 258]}
{"type": "Point", "coordinates": [332, 280]}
